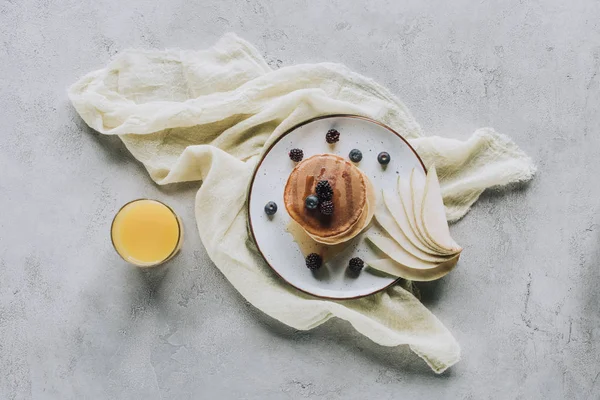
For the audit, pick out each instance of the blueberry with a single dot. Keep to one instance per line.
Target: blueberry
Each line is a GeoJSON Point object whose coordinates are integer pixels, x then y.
{"type": "Point", "coordinates": [270, 208]}
{"type": "Point", "coordinates": [355, 155]}
{"type": "Point", "coordinates": [383, 158]}
{"type": "Point", "coordinates": [311, 202]}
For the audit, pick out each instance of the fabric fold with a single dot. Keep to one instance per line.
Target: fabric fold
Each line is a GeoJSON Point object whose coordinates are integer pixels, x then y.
{"type": "Point", "coordinates": [208, 115]}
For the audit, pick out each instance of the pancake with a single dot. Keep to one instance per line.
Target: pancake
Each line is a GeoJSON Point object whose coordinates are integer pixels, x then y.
{"type": "Point", "coordinates": [349, 195]}
{"type": "Point", "coordinates": [360, 225]}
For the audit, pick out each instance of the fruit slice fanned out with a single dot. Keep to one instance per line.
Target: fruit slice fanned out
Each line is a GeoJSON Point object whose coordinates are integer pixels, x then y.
{"type": "Point", "coordinates": [416, 240]}
{"type": "Point", "coordinates": [417, 189]}
{"type": "Point", "coordinates": [389, 225]}
{"type": "Point", "coordinates": [405, 194]}
{"type": "Point", "coordinates": [433, 214]}
{"type": "Point", "coordinates": [394, 251]}
{"type": "Point", "coordinates": [394, 206]}
{"type": "Point", "coordinates": [391, 267]}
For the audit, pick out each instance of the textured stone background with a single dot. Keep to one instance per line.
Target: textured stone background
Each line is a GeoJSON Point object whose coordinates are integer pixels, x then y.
{"type": "Point", "coordinates": [76, 323]}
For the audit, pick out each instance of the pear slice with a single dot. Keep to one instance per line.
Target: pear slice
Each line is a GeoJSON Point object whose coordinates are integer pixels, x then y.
{"type": "Point", "coordinates": [432, 214]}
{"type": "Point", "coordinates": [404, 191]}
{"type": "Point", "coordinates": [394, 251]}
{"type": "Point", "coordinates": [419, 246]}
{"type": "Point", "coordinates": [394, 268]}
{"type": "Point", "coordinates": [417, 189]}
{"type": "Point", "coordinates": [394, 206]}
{"type": "Point", "coordinates": [386, 221]}
{"type": "Point", "coordinates": [412, 195]}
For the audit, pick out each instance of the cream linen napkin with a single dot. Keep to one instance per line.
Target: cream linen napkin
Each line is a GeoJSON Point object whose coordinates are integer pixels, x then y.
{"type": "Point", "coordinates": [207, 115]}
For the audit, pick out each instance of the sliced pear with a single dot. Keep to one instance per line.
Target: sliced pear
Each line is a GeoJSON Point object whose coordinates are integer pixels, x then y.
{"type": "Point", "coordinates": [394, 206]}
{"type": "Point", "coordinates": [405, 193]}
{"type": "Point", "coordinates": [394, 268]}
{"type": "Point", "coordinates": [419, 246]}
{"type": "Point", "coordinates": [386, 221]}
{"type": "Point", "coordinates": [417, 188]}
{"type": "Point", "coordinates": [413, 195]}
{"type": "Point", "coordinates": [394, 251]}
{"type": "Point", "coordinates": [433, 214]}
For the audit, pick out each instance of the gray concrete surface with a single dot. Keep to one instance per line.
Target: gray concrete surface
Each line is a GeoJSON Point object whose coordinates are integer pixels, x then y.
{"type": "Point", "coordinates": [76, 323]}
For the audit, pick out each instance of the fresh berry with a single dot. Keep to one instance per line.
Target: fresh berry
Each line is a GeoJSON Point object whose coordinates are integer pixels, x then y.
{"type": "Point", "coordinates": [324, 190]}
{"type": "Point", "coordinates": [326, 207]}
{"type": "Point", "coordinates": [311, 202]}
{"type": "Point", "coordinates": [313, 261]}
{"type": "Point", "coordinates": [356, 265]}
{"type": "Point", "coordinates": [270, 208]}
{"type": "Point", "coordinates": [355, 155]}
{"type": "Point", "coordinates": [383, 158]}
{"type": "Point", "coordinates": [333, 136]}
{"type": "Point", "coordinates": [296, 155]}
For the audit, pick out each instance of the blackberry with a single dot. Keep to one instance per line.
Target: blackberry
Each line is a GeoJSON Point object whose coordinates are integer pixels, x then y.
{"type": "Point", "coordinates": [296, 155]}
{"type": "Point", "coordinates": [326, 207]}
{"type": "Point", "coordinates": [332, 136]}
{"type": "Point", "coordinates": [311, 202]}
{"type": "Point", "coordinates": [355, 155]}
{"type": "Point", "coordinates": [313, 261]}
{"type": "Point", "coordinates": [356, 265]}
{"type": "Point", "coordinates": [324, 190]}
{"type": "Point", "coordinates": [270, 208]}
{"type": "Point", "coordinates": [383, 158]}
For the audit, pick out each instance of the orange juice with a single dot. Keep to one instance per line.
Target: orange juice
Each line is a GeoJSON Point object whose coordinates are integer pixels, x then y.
{"type": "Point", "coordinates": [146, 232]}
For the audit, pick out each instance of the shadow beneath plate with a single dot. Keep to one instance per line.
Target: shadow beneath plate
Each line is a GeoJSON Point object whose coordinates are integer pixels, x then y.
{"type": "Point", "coordinates": [430, 293]}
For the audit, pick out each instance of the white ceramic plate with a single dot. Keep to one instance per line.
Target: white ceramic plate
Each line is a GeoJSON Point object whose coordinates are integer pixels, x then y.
{"type": "Point", "coordinates": [278, 247]}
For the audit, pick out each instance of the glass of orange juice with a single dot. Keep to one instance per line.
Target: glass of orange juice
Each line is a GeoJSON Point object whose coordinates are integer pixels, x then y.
{"type": "Point", "coordinates": [146, 233]}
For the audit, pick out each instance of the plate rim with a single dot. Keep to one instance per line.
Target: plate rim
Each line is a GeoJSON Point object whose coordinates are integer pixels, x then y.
{"type": "Point", "coordinates": [259, 163]}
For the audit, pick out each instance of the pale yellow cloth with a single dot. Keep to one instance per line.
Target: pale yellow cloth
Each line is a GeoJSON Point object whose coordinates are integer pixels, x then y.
{"type": "Point", "coordinates": [207, 115]}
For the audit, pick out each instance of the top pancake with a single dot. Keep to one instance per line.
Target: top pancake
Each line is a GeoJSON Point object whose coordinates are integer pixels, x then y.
{"type": "Point", "coordinates": [349, 194]}
{"type": "Point", "coordinates": [363, 221]}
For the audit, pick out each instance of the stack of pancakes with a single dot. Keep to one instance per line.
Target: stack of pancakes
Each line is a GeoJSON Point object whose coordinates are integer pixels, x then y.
{"type": "Point", "coordinates": [353, 198]}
